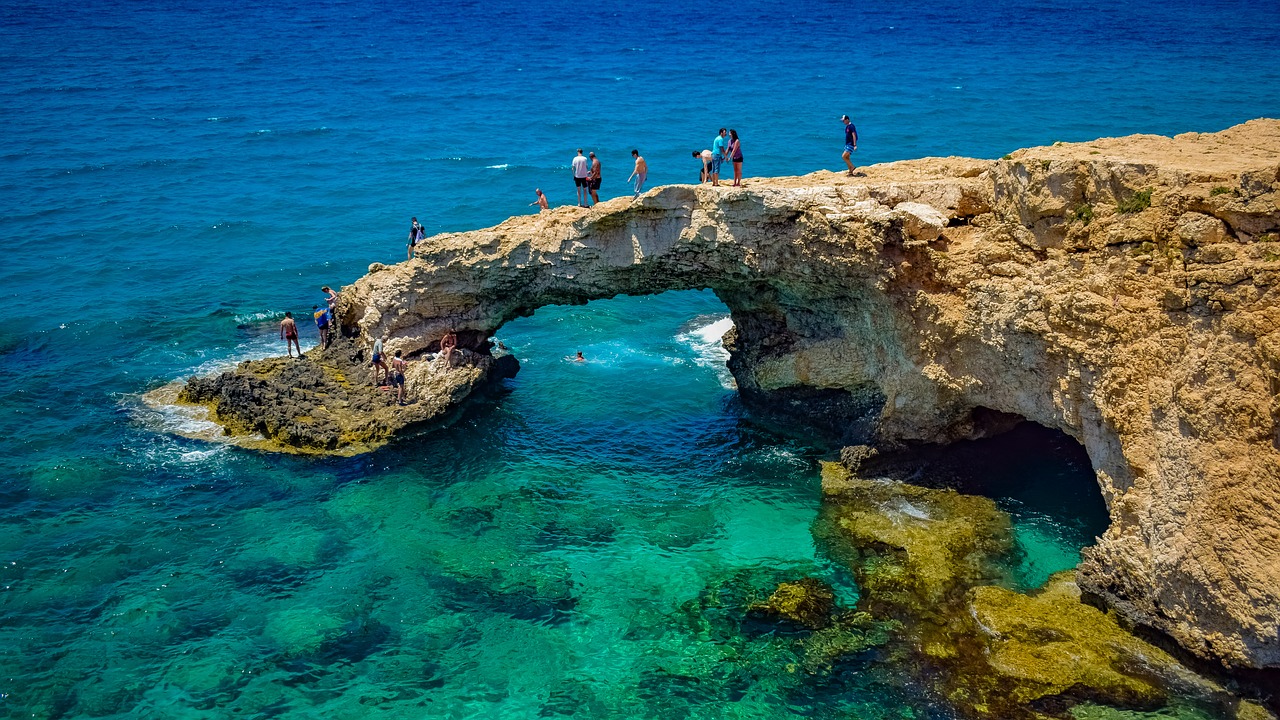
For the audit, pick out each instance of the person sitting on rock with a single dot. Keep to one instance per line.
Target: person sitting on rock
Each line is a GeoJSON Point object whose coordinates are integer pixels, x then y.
{"type": "Point", "coordinates": [448, 344]}
{"type": "Point", "coordinates": [398, 366]}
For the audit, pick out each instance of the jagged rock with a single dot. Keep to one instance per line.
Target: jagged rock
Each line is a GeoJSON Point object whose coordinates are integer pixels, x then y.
{"type": "Point", "coordinates": [1064, 285]}
{"type": "Point", "coordinates": [326, 402]}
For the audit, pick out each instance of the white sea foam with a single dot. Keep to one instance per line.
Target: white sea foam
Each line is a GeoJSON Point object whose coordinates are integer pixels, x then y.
{"type": "Point", "coordinates": [503, 166]}
{"type": "Point", "coordinates": [257, 316]}
{"type": "Point", "coordinates": [708, 351]}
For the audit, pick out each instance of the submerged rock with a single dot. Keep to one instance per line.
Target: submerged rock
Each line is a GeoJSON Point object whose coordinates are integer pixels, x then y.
{"type": "Point", "coordinates": [808, 602]}
{"type": "Point", "coordinates": [1016, 653]}
{"type": "Point", "coordinates": [915, 551]}
{"type": "Point", "coordinates": [928, 558]}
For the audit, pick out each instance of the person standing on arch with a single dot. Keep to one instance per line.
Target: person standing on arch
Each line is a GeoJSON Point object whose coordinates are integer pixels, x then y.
{"type": "Point", "coordinates": [719, 148]}
{"type": "Point", "coordinates": [735, 156]}
{"type": "Point", "coordinates": [850, 142]}
{"type": "Point", "coordinates": [640, 173]}
{"type": "Point", "coordinates": [593, 178]}
{"type": "Point", "coordinates": [416, 234]}
{"type": "Point", "coordinates": [580, 173]}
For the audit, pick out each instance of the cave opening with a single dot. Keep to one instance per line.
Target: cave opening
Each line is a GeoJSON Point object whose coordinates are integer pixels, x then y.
{"type": "Point", "coordinates": [1041, 476]}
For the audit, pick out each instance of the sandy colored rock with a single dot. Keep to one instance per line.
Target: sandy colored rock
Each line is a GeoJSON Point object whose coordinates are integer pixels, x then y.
{"type": "Point", "coordinates": [1122, 290]}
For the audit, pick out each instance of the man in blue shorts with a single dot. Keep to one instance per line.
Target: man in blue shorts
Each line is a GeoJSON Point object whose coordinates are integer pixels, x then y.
{"type": "Point", "coordinates": [719, 147]}
{"type": "Point", "coordinates": [850, 142]}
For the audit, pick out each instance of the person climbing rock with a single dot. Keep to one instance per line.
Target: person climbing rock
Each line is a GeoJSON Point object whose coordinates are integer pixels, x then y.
{"type": "Point", "coordinates": [322, 323]}
{"type": "Point", "coordinates": [398, 366]}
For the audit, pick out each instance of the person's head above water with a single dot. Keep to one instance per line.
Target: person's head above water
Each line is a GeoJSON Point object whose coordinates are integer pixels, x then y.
{"type": "Point", "coordinates": [288, 314]}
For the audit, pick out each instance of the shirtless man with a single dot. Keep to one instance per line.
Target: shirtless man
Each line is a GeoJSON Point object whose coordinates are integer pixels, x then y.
{"type": "Point", "coordinates": [398, 366]}
{"type": "Point", "coordinates": [541, 202]}
{"type": "Point", "coordinates": [593, 178]}
{"type": "Point", "coordinates": [640, 173]}
{"type": "Point", "coordinates": [448, 344]}
{"type": "Point", "coordinates": [289, 333]}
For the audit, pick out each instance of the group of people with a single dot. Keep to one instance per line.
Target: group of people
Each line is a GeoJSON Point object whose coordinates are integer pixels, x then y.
{"type": "Point", "coordinates": [724, 148]}
{"type": "Point", "coordinates": [324, 321]}
{"type": "Point", "coordinates": [392, 376]}
{"type": "Point", "coordinates": [586, 179]}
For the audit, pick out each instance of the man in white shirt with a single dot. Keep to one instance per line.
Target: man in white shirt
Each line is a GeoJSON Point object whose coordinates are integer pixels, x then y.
{"type": "Point", "coordinates": [580, 172]}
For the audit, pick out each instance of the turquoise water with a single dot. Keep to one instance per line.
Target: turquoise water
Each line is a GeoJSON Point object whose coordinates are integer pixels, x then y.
{"type": "Point", "coordinates": [175, 176]}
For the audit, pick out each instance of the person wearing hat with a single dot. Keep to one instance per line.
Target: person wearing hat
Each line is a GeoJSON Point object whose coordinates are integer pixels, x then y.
{"type": "Point", "coordinates": [850, 142]}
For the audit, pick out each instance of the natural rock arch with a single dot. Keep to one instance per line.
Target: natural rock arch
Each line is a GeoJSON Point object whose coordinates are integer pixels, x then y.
{"type": "Point", "coordinates": [1122, 291]}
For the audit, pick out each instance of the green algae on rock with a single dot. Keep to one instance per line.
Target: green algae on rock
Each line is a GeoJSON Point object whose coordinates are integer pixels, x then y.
{"type": "Point", "coordinates": [915, 551]}
{"type": "Point", "coordinates": [928, 558]}
{"type": "Point", "coordinates": [326, 403]}
{"type": "Point", "coordinates": [808, 602]}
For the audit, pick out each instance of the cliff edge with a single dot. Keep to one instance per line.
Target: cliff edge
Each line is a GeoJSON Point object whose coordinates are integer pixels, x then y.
{"type": "Point", "coordinates": [1122, 290]}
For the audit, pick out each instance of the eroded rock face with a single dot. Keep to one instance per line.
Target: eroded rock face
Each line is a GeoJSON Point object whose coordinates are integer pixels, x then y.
{"type": "Point", "coordinates": [1122, 290]}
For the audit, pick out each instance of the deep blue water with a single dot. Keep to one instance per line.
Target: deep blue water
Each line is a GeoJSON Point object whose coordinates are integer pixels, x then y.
{"type": "Point", "coordinates": [175, 175]}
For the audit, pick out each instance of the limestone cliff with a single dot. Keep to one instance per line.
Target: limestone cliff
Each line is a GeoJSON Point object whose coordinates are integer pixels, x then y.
{"type": "Point", "coordinates": [1122, 290]}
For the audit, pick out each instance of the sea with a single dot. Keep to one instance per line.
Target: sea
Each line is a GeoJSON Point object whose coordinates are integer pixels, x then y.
{"type": "Point", "coordinates": [176, 175]}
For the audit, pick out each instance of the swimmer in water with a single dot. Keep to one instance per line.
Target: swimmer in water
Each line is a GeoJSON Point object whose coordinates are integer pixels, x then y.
{"type": "Point", "coordinates": [579, 358]}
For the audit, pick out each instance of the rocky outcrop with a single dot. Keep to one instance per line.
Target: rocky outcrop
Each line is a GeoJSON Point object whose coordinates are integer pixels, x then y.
{"type": "Point", "coordinates": [1122, 290]}
{"type": "Point", "coordinates": [328, 401]}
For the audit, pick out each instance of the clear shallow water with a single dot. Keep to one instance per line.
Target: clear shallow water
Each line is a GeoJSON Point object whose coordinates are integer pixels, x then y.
{"type": "Point", "coordinates": [174, 177]}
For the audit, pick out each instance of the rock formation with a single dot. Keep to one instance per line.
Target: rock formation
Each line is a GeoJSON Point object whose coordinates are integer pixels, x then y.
{"type": "Point", "coordinates": [1122, 290]}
